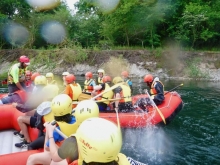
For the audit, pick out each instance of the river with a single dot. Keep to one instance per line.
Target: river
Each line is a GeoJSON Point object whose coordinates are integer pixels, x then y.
{"type": "Point", "coordinates": [193, 137]}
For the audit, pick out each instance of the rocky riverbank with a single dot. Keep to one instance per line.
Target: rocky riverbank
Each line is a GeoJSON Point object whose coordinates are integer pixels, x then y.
{"type": "Point", "coordinates": [170, 64]}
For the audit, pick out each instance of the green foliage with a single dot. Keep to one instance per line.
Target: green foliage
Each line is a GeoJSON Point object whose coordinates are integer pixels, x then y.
{"type": "Point", "coordinates": [79, 55]}
{"type": "Point", "coordinates": [134, 23]}
{"type": "Point", "coordinates": [193, 68]}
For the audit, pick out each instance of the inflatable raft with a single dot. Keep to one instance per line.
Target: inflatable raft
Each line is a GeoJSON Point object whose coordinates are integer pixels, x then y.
{"type": "Point", "coordinates": [137, 119]}
{"type": "Point", "coordinates": [9, 124]}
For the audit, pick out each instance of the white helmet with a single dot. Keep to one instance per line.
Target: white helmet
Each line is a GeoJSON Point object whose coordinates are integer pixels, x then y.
{"type": "Point", "coordinates": [65, 73]}
{"type": "Point", "coordinates": [99, 140]}
{"type": "Point", "coordinates": [86, 109]}
{"type": "Point", "coordinates": [101, 71]}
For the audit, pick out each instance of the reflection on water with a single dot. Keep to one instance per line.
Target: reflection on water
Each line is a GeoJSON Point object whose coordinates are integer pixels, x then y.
{"type": "Point", "coordinates": [191, 138]}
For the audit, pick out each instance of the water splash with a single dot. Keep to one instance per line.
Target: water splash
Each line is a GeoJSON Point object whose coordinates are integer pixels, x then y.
{"type": "Point", "coordinates": [148, 145]}
{"type": "Point", "coordinates": [106, 6]}
{"type": "Point", "coordinates": [53, 32]}
{"type": "Point", "coordinates": [40, 5]}
{"type": "Point", "coordinates": [15, 34]}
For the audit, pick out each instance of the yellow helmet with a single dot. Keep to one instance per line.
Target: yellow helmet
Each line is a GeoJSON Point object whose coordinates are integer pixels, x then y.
{"type": "Point", "coordinates": [50, 91]}
{"type": "Point", "coordinates": [86, 109]}
{"type": "Point", "coordinates": [49, 75]}
{"type": "Point", "coordinates": [99, 140]}
{"type": "Point", "coordinates": [117, 80]}
{"type": "Point", "coordinates": [101, 71]}
{"type": "Point", "coordinates": [40, 80]}
{"type": "Point", "coordinates": [61, 105]}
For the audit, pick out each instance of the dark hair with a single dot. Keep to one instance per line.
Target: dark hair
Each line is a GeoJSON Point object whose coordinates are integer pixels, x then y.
{"type": "Point", "coordinates": [65, 118]}
{"type": "Point", "coordinates": [96, 163]}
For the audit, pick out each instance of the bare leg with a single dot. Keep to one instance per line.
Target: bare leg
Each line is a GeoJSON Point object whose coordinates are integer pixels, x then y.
{"type": "Point", "coordinates": [22, 122]}
{"type": "Point", "coordinates": [30, 113]}
{"type": "Point", "coordinates": [39, 158]}
{"type": "Point", "coordinates": [63, 162]}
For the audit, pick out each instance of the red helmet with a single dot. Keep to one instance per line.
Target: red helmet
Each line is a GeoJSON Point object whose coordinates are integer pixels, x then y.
{"type": "Point", "coordinates": [24, 59]}
{"type": "Point", "coordinates": [34, 75]}
{"type": "Point", "coordinates": [148, 78]}
{"type": "Point", "coordinates": [88, 74]}
{"type": "Point", "coordinates": [28, 73]}
{"type": "Point", "coordinates": [70, 78]}
{"type": "Point", "coordinates": [125, 73]}
{"type": "Point", "coordinates": [106, 79]}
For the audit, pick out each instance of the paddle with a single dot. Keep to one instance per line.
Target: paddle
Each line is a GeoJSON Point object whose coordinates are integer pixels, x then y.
{"type": "Point", "coordinates": [99, 100]}
{"type": "Point", "coordinates": [174, 88]}
{"type": "Point", "coordinates": [57, 130]}
{"type": "Point", "coordinates": [113, 87]}
{"type": "Point", "coordinates": [155, 106]}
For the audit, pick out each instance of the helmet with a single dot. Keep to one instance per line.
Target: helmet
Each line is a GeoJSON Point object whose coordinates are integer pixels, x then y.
{"type": "Point", "coordinates": [106, 79]}
{"type": "Point", "coordinates": [148, 78]}
{"type": "Point", "coordinates": [25, 60]}
{"type": "Point", "coordinates": [40, 80]}
{"type": "Point", "coordinates": [125, 73]}
{"type": "Point", "coordinates": [117, 80]}
{"type": "Point", "coordinates": [49, 75]}
{"type": "Point", "coordinates": [65, 73]}
{"type": "Point", "coordinates": [34, 75]}
{"type": "Point", "coordinates": [50, 91]}
{"type": "Point", "coordinates": [98, 140]}
{"type": "Point", "coordinates": [101, 71]}
{"type": "Point", "coordinates": [28, 73]}
{"type": "Point", "coordinates": [89, 74]}
{"type": "Point", "coordinates": [61, 105]}
{"type": "Point", "coordinates": [86, 109]}
{"type": "Point", "coordinates": [70, 78]}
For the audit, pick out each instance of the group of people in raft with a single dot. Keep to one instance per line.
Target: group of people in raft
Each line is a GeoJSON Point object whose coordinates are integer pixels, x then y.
{"type": "Point", "coordinates": [91, 140]}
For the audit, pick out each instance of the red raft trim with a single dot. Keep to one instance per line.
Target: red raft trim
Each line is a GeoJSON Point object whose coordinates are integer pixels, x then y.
{"type": "Point", "coordinates": [138, 119]}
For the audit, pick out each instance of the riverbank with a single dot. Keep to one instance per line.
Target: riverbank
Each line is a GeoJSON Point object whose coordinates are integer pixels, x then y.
{"type": "Point", "coordinates": [168, 64]}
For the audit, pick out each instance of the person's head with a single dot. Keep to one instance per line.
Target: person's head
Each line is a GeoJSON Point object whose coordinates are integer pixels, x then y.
{"type": "Point", "coordinates": [34, 75]}
{"type": "Point", "coordinates": [61, 107]}
{"type": "Point", "coordinates": [117, 80]}
{"type": "Point", "coordinates": [124, 74]}
{"type": "Point", "coordinates": [49, 77]}
{"type": "Point", "coordinates": [86, 109]}
{"type": "Point", "coordinates": [148, 79]}
{"type": "Point", "coordinates": [28, 75]}
{"type": "Point", "coordinates": [99, 140]}
{"type": "Point", "coordinates": [107, 79]}
{"type": "Point", "coordinates": [70, 78]}
{"type": "Point", "coordinates": [49, 92]}
{"type": "Point", "coordinates": [64, 74]}
{"type": "Point", "coordinates": [24, 61]}
{"type": "Point", "coordinates": [88, 75]}
{"type": "Point", "coordinates": [40, 80]}
{"type": "Point", "coordinates": [101, 73]}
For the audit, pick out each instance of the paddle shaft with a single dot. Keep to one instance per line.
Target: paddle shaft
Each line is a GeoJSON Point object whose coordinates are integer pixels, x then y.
{"type": "Point", "coordinates": [113, 87]}
{"type": "Point", "coordinates": [173, 89]}
{"type": "Point", "coordinates": [155, 106]}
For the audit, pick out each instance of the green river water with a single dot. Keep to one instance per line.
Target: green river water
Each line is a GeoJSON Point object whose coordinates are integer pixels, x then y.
{"type": "Point", "coordinates": [193, 137]}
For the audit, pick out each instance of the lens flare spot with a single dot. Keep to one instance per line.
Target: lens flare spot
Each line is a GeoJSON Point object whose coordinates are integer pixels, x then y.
{"type": "Point", "coordinates": [107, 6]}
{"type": "Point", "coordinates": [41, 5]}
{"type": "Point", "coordinates": [15, 34]}
{"type": "Point", "coordinates": [53, 32]}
